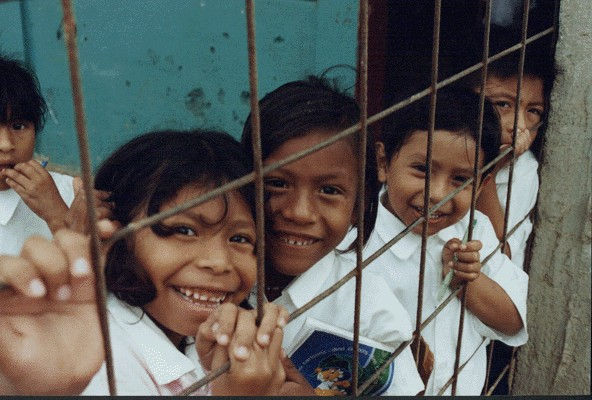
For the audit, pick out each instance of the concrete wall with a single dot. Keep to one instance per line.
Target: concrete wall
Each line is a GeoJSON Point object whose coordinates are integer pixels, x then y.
{"type": "Point", "coordinates": [556, 359]}
{"type": "Point", "coordinates": [156, 64]}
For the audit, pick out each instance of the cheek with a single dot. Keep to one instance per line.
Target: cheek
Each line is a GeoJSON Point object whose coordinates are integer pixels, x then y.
{"type": "Point", "coordinates": [246, 267]}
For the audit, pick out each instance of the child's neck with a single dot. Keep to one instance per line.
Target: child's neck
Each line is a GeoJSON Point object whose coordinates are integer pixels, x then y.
{"type": "Point", "coordinates": [275, 282]}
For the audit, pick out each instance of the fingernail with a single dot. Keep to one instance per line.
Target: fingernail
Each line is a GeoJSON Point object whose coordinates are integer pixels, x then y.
{"type": "Point", "coordinates": [215, 327]}
{"type": "Point", "coordinates": [80, 267]}
{"type": "Point", "coordinates": [451, 264]}
{"type": "Point", "coordinates": [281, 322]}
{"type": "Point", "coordinates": [222, 339]}
{"type": "Point", "coordinates": [241, 352]}
{"type": "Point", "coordinates": [283, 353]}
{"type": "Point", "coordinates": [463, 246]}
{"type": "Point", "coordinates": [63, 292]}
{"type": "Point", "coordinates": [37, 288]}
{"type": "Point", "coordinates": [264, 339]}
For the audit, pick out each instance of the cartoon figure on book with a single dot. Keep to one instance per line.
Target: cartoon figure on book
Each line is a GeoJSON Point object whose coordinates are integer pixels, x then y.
{"type": "Point", "coordinates": [333, 373]}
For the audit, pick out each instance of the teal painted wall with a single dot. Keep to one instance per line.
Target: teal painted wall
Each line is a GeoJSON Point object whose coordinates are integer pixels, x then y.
{"type": "Point", "coordinates": [158, 64]}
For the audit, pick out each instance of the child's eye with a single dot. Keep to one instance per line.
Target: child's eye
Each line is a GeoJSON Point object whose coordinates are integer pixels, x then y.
{"type": "Point", "coordinates": [460, 179]}
{"type": "Point", "coordinates": [18, 126]}
{"type": "Point", "coordinates": [275, 183]}
{"type": "Point", "coordinates": [419, 168]}
{"type": "Point", "coordinates": [242, 239]}
{"type": "Point", "coordinates": [536, 111]}
{"type": "Point", "coordinates": [503, 104]}
{"type": "Point", "coordinates": [184, 230]}
{"type": "Point", "coordinates": [331, 190]}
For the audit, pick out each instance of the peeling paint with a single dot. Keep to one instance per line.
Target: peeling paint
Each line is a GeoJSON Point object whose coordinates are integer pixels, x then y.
{"type": "Point", "coordinates": [196, 102]}
{"type": "Point", "coordinates": [212, 49]}
{"type": "Point", "coordinates": [279, 39]}
{"type": "Point", "coordinates": [245, 96]}
{"type": "Point", "coordinates": [225, 35]}
{"type": "Point", "coordinates": [221, 95]}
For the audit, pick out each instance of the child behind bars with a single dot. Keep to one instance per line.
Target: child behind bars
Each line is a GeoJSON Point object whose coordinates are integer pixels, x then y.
{"type": "Point", "coordinates": [496, 292]}
{"type": "Point", "coordinates": [163, 282]}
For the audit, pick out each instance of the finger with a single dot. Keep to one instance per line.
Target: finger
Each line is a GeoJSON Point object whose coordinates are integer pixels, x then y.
{"type": "Point", "coordinates": [76, 248]}
{"type": "Point", "coordinates": [473, 245]}
{"type": "Point", "coordinates": [466, 276]}
{"type": "Point", "coordinates": [51, 264]}
{"type": "Point", "coordinates": [103, 212]}
{"type": "Point", "coordinates": [275, 347]}
{"type": "Point", "coordinates": [106, 228]}
{"type": "Point", "coordinates": [101, 195]}
{"type": "Point", "coordinates": [16, 180]}
{"type": "Point", "coordinates": [28, 169]}
{"type": "Point", "coordinates": [244, 336]}
{"type": "Point", "coordinates": [22, 276]}
{"type": "Point", "coordinates": [268, 324]}
{"type": "Point", "coordinates": [225, 325]}
{"type": "Point", "coordinates": [468, 256]}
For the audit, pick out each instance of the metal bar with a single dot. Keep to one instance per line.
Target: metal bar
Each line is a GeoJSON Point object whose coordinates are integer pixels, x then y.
{"type": "Point", "coordinates": [257, 158]}
{"type": "Point", "coordinates": [497, 381]}
{"type": "Point", "coordinates": [428, 164]}
{"type": "Point", "coordinates": [87, 180]}
{"type": "Point", "coordinates": [488, 370]}
{"type": "Point", "coordinates": [449, 382]}
{"type": "Point", "coordinates": [361, 169]}
{"type": "Point", "coordinates": [474, 192]}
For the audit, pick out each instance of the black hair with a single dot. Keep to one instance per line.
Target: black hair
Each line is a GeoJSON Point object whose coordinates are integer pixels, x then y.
{"type": "Point", "coordinates": [457, 110]}
{"type": "Point", "coordinates": [296, 108]}
{"type": "Point", "coordinates": [538, 63]}
{"type": "Point", "coordinates": [148, 171]}
{"type": "Point", "coordinates": [20, 95]}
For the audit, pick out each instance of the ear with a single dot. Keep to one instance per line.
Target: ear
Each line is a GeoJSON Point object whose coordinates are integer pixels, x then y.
{"type": "Point", "coordinates": [381, 162]}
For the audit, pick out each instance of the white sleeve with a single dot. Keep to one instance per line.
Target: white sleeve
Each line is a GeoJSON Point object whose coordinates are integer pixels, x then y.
{"type": "Point", "coordinates": [510, 277]}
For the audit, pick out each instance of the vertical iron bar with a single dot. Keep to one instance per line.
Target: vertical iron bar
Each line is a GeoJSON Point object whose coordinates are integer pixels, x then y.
{"type": "Point", "coordinates": [87, 180]}
{"type": "Point", "coordinates": [257, 158]}
{"type": "Point", "coordinates": [426, 199]}
{"type": "Point", "coordinates": [362, 139]}
{"type": "Point", "coordinates": [25, 24]}
{"type": "Point", "coordinates": [516, 111]}
{"type": "Point", "coordinates": [476, 183]}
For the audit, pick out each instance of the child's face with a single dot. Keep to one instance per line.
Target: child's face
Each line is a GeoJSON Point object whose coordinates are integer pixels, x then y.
{"type": "Point", "coordinates": [502, 93]}
{"type": "Point", "coordinates": [17, 142]}
{"type": "Point", "coordinates": [209, 259]}
{"type": "Point", "coordinates": [453, 156]}
{"type": "Point", "coordinates": [310, 202]}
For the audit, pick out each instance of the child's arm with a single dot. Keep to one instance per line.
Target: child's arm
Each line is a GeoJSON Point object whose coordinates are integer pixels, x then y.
{"type": "Point", "coordinates": [38, 190]}
{"type": "Point", "coordinates": [488, 203]}
{"type": "Point", "coordinates": [50, 341]}
{"type": "Point", "coordinates": [484, 297]}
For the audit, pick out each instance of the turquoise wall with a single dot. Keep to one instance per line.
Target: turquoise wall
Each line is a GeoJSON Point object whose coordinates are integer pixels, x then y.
{"type": "Point", "coordinates": [157, 64]}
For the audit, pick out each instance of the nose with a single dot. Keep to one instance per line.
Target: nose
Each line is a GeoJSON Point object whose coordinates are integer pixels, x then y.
{"type": "Point", "coordinates": [213, 256]}
{"type": "Point", "coordinates": [438, 189]}
{"type": "Point", "coordinates": [300, 208]}
{"type": "Point", "coordinates": [6, 142]}
{"type": "Point", "coordinates": [521, 125]}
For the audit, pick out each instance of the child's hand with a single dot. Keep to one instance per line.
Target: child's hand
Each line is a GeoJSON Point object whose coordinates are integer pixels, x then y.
{"type": "Point", "coordinates": [77, 216]}
{"type": "Point", "coordinates": [466, 266]}
{"type": "Point", "coordinates": [38, 190]}
{"type": "Point", "coordinates": [255, 353]}
{"type": "Point", "coordinates": [50, 340]}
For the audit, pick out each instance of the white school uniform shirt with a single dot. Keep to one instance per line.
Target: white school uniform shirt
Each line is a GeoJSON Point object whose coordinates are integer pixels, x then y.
{"type": "Point", "coordinates": [399, 266]}
{"type": "Point", "coordinates": [382, 317]}
{"type": "Point", "coordinates": [145, 361]}
{"type": "Point", "coordinates": [525, 188]}
{"type": "Point", "coordinates": [18, 221]}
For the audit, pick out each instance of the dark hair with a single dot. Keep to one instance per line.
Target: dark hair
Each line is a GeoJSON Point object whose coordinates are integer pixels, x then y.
{"type": "Point", "coordinates": [457, 110]}
{"type": "Point", "coordinates": [150, 170]}
{"type": "Point", "coordinates": [296, 108]}
{"type": "Point", "coordinates": [538, 63]}
{"type": "Point", "coordinates": [20, 96]}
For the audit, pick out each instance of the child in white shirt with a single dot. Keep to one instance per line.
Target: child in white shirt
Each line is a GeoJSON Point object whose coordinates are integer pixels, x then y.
{"type": "Point", "coordinates": [310, 206]}
{"type": "Point", "coordinates": [164, 281]}
{"type": "Point", "coordinates": [496, 292]}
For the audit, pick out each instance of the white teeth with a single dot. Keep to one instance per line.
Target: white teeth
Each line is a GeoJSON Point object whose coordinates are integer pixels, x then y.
{"type": "Point", "coordinates": [295, 242]}
{"type": "Point", "coordinates": [193, 295]}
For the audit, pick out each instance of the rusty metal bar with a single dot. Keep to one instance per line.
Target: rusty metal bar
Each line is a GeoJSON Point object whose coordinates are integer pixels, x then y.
{"type": "Point", "coordinates": [87, 179]}
{"type": "Point", "coordinates": [257, 158]}
{"type": "Point", "coordinates": [497, 381]}
{"type": "Point", "coordinates": [477, 180]}
{"type": "Point", "coordinates": [449, 382]}
{"type": "Point", "coordinates": [361, 169]}
{"type": "Point", "coordinates": [428, 164]}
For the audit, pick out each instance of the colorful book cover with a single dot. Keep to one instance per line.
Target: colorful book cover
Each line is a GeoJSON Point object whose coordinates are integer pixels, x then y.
{"type": "Point", "coordinates": [323, 354]}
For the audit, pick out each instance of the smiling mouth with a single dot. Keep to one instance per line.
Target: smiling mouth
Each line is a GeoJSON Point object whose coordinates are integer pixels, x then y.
{"type": "Point", "coordinates": [433, 216]}
{"type": "Point", "coordinates": [202, 296]}
{"type": "Point", "coordinates": [294, 240]}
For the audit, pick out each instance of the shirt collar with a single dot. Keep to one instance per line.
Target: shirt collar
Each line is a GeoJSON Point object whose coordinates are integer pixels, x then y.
{"type": "Point", "coordinates": [162, 359]}
{"type": "Point", "coordinates": [9, 200]}
{"type": "Point", "coordinates": [390, 225]}
{"type": "Point", "coordinates": [309, 284]}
